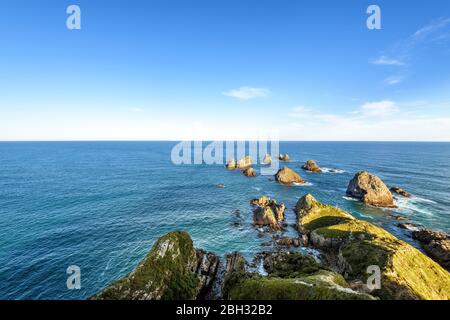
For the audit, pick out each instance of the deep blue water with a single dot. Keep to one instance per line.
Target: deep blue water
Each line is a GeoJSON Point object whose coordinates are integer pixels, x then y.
{"type": "Point", "coordinates": [101, 205]}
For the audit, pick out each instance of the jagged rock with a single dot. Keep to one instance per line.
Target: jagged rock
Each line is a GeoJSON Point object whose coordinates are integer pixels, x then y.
{"type": "Point", "coordinates": [288, 242]}
{"type": "Point", "coordinates": [435, 244]}
{"type": "Point", "coordinates": [207, 265]}
{"type": "Point", "coordinates": [235, 263]}
{"type": "Point", "coordinates": [353, 245]}
{"type": "Point", "coordinates": [249, 172]}
{"type": "Point", "coordinates": [268, 212]}
{"type": "Point", "coordinates": [283, 157]}
{"type": "Point", "coordinates": [231, 165]}
{"type": "Point", "coordinates": [401, 192]}
{"type": "Point", "coordinates": [288, 176]}
{"type": "Point", "coordinates": [371, 190]}
{"type": "Point", "coordinates": [243, 163]}
{"type": "Point", "coordinates": [267, 159]}
{"type": "Point", "coordinates": [292, 276]}
{"type": "Point", "coordinates": [172, 270]}
{"type": "Point", "coordinates": [312, 166]}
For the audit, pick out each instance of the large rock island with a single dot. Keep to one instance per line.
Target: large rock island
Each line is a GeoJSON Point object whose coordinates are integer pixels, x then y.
{"type": "Point", "coordinates": [371, 190]}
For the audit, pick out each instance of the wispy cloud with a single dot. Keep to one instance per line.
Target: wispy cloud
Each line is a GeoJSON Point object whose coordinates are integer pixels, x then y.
{"type": "Point", "coordinates": [247, 93]}
{"type": "Point", "coordinates": [380, 108]}
{"type": "Point", "coordinates": [383, 60]}
{"type": "Point", "coordinates": [371, 121]}
{"type": "Point", "coordinates": [431, 28]}
{"type": "Point", "coordinates": [403, 52]}
{"type": "Point", "coordinates": [393, 80]}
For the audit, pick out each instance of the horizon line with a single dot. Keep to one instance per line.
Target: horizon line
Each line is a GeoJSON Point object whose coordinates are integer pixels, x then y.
{"type": "Point", "coordinates": [224, 140]}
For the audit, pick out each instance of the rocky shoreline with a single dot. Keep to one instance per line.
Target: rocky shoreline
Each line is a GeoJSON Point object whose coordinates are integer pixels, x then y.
{"type": "Point", "coordinates": [350, 250]}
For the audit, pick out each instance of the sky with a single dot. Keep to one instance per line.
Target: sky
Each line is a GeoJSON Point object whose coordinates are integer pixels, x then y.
{"type": "Point", "coordinates": [225, 70]}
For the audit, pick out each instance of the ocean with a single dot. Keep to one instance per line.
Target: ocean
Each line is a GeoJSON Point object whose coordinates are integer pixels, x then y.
{"type": "Point", "coordinates": [102, 205]}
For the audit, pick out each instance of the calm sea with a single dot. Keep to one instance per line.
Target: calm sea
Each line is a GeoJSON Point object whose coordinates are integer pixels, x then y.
{"type": "Point", "coordinates": [101, 205]}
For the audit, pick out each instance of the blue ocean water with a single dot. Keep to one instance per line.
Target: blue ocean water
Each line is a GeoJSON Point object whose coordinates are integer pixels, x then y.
{"type": "Point", "coordinates": [101, 205]}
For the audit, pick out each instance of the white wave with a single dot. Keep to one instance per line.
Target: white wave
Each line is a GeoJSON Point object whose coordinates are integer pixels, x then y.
{"type": "Point", "coordinates": [256, 188]}
{"type": "Point", "coordinates": [332, 170]}
{"type": "Point", "coordinates": [349, 198]}
{"type": "Point", "coordinates": [413, 205]}
{"type": "Point", "coordinates": [305, 184]}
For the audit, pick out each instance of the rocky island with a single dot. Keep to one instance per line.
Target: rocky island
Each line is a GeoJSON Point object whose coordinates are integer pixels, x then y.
{"type": "Point", "coordinates": [371, 190]}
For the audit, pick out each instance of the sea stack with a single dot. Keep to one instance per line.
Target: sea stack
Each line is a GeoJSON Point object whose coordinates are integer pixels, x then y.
{"type": "Point", "coordinates": [267, 159]}
{"type": "Point", "coordinates": [312, 166]}
{"type": "Point", "coordinates": [283, 157]}
{"type": "Point", "coordinates": [371, 190]}
{"type": "Point", "coordinates": [268, 212]}
{"type": "Point", "coordinates": [288, 176]}
{"type": "Point", "coordinates": [249, 172]}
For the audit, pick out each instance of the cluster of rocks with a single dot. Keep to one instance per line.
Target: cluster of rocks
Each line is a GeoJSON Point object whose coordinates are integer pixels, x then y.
{"type": "Point", "coordinates": [435, 244]}
{"type": "Point", "coordinates": [268, 212]}
{"type": "Point", "coordinates": [175, 270]}
{"type": "Point", "coordinates": [244, 164]}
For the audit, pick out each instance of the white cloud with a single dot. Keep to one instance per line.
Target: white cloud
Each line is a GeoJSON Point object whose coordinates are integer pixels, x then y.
{"type": "Point", "coordinates": [380, 108]}
{"type": "Point", "coordinates": [373, 121]}
{"type": "Point", "coordinates": [247, 93]}
{"type": "Point", "coordinates": [383, 60]}
{"type": "Point", "coordinates": [393, 80]}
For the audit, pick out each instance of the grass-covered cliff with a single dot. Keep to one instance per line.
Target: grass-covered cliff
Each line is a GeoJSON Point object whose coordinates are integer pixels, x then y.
{"type": "Point", "coordinates": [406, 273]}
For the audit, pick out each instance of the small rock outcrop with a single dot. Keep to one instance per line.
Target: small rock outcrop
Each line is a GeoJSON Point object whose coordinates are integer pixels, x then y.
{"type": "Point", "coordinates": [288, 176]}
{"type": "Point", "coordinates": [243, 163]}
{"type": "Point", "coordinates": [400, 191]}
{"type": "Point", "coordinates": [283, 157]}
{"type": "Point", "coordinates": [352, 245]}
{"type": "Point", "coordinates": [173, 270]}
{"type": "Point", "coordinates": [371, 190]}
{"type": "Point", "coordinates": [267, 159]}
{"type": "Point", "coordinates": [231, 165]}
{"type": "Point", "coordinates": [435, 244]}
{"type": "Point", "coordinates": [268, 213]}
{"type": "Point", "coordinates": [249, 172]}
{"type": "Point", "coordinates": [312, 166]}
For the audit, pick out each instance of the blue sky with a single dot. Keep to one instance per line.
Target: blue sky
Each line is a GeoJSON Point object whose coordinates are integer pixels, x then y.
{"type": "Point", "coordinates": [300, 70]}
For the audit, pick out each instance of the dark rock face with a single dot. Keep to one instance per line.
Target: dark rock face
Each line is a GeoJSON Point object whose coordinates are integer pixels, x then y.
{"type": "Point", "coordinates": [400, 191]}
{"type": "Point", "coordinates": [249, 172]}
{"type": "Point", "coordinates": [371, 190]}
{"type": "Point", "coordinates": [268, 212]}
{"type": "Point", "coordinates": [436, 245]}
{"type": "Point", "coordinates": [288, 176]}
{"type": "Point", "coordinates": [283, 157]}
{"type": "Point", "coordinates": [173, 270]}
{"type": "Point", "coordinates": [207, 265]}
{"type": "Point", "coordinates": [312, 166]}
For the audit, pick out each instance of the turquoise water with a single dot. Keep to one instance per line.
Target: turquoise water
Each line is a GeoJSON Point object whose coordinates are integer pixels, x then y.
{"type": "Point", "coordinates": [101, 205]}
